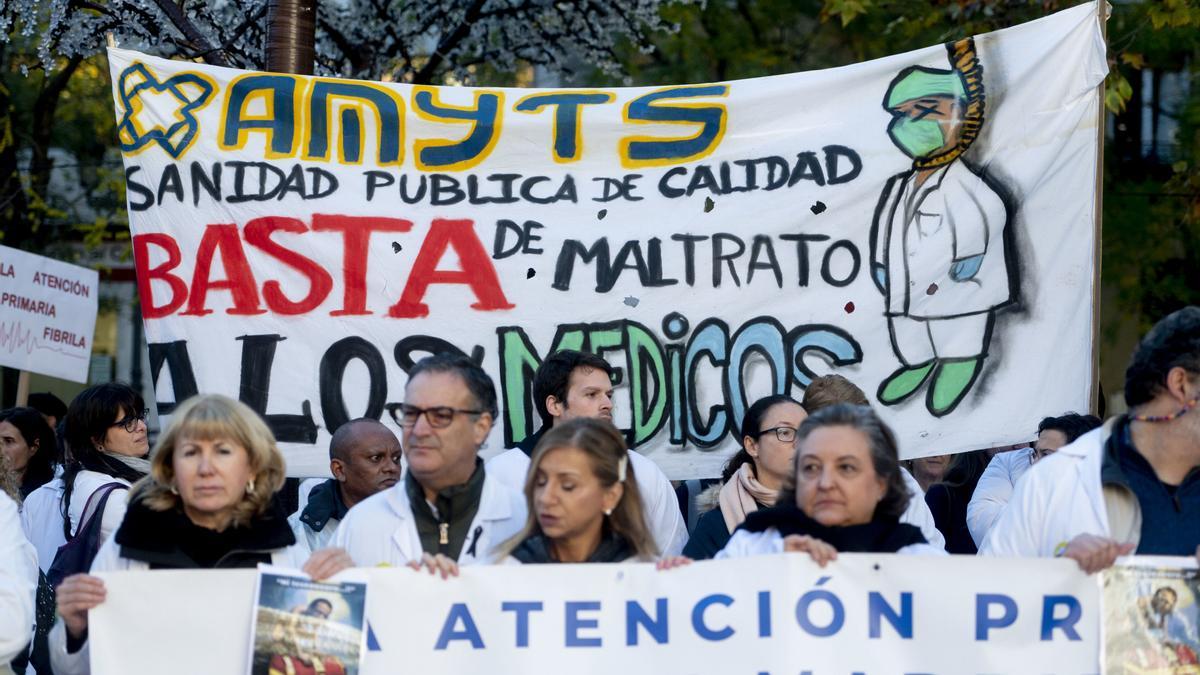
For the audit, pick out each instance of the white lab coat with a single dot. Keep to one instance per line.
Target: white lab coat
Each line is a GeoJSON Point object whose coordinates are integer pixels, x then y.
{"type": "Point", "coordinates": [381, 529]}
{"type": "Point", "coordinates": [918, 513]}
{"type": "Point", "coordinates": [954, 215]}
{"type": "Point", "coordinates": [1060, 498]}
{"type": "Point", "coordinates": [309, 539]}
{"type": "Point", "coordinates": [42, 520]}
{"type": "Point", "coordinates": [744, 544]}
{"type": "Point", "coordinates": [18, 584]}
{"type": "Point", "coordinates": [663, 517]}
{"type": "Point", "coordinates": [109, 559]}
{"type": "Point", "coordinates": [994, 490]}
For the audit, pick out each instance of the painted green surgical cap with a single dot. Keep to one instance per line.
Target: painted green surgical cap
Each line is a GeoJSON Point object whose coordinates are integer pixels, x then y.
{"type": "Point", "coordinates": [917, 82]}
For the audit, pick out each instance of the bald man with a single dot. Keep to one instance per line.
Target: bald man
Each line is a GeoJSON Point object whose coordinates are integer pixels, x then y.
{"type": "Point", "coordinates": [364, 458]}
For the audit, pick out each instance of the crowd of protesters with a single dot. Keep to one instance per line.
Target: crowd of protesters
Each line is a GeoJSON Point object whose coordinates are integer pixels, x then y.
{"type": "Point", "coordinates": [81, 491]}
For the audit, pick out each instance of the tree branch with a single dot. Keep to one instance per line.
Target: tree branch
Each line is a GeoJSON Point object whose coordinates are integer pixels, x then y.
{"type": "Point", "coordinates": [250, 20]}
{"type": "Point", "coordinates": [189, 31]}
{"type": "Point", "coordinates": [449, 42]}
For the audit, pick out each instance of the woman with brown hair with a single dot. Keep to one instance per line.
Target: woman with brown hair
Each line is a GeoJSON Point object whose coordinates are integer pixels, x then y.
{"type": "Point", "coordinates": [584, 504]}
{"type": "Point", "coordinates": [29, 444]}
{"type": "Point", "coordinates": [845, 493]}
{"type": "Point", "coordinates": [208, 502]}
{"type": "Point", "coordinates": [752, 478]}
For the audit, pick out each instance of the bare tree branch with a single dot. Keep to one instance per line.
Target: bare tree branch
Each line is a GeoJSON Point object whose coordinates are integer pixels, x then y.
{"type": "Point", "coordinates": [189, 31]}
{"type": "Point", "coordinates": [449, 42]}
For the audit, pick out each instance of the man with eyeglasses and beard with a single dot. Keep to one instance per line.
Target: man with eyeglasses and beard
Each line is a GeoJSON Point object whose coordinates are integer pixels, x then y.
{"type": "Point", "coordinates": [446, 511]}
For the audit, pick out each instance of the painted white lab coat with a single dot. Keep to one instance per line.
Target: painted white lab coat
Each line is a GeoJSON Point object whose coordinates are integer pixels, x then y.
{"type": "Point", "coordinates": [381, 529]}
{"type": "Point", "coordinates": [955, 215]}
{"type": "Point", "coordinates": [661, 506]}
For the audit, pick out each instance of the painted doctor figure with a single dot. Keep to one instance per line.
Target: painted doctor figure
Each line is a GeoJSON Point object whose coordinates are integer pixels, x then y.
{"type": "Point", "coordinates": [938, 242]}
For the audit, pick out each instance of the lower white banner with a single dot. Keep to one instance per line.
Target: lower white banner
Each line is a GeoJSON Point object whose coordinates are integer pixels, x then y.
{"type": "Point", "coordinates": [766, 615]}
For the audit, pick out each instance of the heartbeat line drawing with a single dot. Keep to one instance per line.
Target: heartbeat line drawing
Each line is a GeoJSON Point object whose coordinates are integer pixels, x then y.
{"type": "Point", "coordinates": [15, 337]}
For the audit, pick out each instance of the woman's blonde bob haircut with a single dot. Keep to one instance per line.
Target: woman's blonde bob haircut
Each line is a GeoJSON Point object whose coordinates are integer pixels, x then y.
{"type": "Point", "coordinates": [211, 417]}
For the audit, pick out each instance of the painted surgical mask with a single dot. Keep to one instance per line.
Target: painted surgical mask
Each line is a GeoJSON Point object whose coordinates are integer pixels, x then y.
{"type": "Point", "coordinates": [917, 138]}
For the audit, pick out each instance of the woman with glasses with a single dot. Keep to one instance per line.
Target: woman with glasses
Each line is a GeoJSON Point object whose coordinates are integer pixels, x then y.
{"type": "Point", "coordinates": [845, 492]}
{"type": "Point", "coordinates": [104, 435]}
{"type": "Point", "coordinates": [753, 477]}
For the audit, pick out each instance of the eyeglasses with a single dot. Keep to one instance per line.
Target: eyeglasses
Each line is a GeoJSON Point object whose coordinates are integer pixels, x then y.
{"type": "Point", "coordinates": [1035, 455]}
{"type": "Point", "coordinates": [130, 422]}
{"type": "Point", "coordinates": [784, 434]}
{"type": "Point", "coordinates": [439, 417]}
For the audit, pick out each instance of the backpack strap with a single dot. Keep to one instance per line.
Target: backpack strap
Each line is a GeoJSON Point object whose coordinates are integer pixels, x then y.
{"type": "Point", "coordinates": [89, 512]}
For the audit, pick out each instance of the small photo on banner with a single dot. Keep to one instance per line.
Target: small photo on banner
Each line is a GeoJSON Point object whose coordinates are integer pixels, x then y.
{"type": "Point", "coordinates": [1152, 618]}
{"type": "Point", "coordinates": [302, 627]}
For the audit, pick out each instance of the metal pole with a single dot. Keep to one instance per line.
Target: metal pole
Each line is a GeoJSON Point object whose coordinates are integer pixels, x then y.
{"type": "Point", "coordinates": [1102, 10]}
{"type": "Point", "coordinates": [135, 365]}
{"type": "Point", "coordinates": [291, 36]}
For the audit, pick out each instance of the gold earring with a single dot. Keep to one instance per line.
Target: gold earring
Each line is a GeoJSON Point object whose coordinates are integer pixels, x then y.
{"type": "Point", "coordinates": [250, 487]}
{"type": "Point", "coordinates": [174, 490]}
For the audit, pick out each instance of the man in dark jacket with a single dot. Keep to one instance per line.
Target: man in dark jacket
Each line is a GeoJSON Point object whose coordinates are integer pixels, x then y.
{"type": "Point", "coordinates": [364, 458]}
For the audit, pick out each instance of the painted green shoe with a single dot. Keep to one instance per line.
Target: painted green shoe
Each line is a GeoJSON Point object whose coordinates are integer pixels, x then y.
{"type": "Point", "coordinates": [951, 383]}
{"type": "Point", "coordinates": [902, 383]}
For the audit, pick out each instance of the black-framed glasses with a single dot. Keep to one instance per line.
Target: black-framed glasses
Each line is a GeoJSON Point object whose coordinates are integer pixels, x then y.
{"type": "Point", "coordinates": [130, 422]}
{"type": "Point", "coordinates": [784, 434]}
{"type": "Point", "coordinates": [439, 417]}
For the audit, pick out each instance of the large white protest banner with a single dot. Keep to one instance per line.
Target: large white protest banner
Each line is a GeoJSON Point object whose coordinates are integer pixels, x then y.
{"type": "Point", "coordinates": [777, 614]}
{"type": "Point", "coordinates": [923, 224]}
{"type": "Point", "coordinates": [47, 314]}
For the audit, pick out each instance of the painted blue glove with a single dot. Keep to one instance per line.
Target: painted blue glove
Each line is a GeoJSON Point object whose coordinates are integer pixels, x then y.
{"type": "Point", "coordinates": [879, 273]}
{"type": "Point", "coordinates": [966, 268]}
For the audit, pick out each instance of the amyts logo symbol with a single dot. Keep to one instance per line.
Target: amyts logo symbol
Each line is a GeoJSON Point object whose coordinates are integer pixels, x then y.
{"type": "Point", "coordinates": [161, 112]}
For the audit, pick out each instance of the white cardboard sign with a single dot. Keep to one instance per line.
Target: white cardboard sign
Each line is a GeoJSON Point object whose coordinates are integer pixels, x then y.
{"type": "Point", "coordinates": [47, 314]}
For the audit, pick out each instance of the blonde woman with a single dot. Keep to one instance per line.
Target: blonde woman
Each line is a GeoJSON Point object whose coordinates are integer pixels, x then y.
{"type": "Point", "coordinates": [583, 499]}
{"type": "Point", "coordinates": [207, 503]}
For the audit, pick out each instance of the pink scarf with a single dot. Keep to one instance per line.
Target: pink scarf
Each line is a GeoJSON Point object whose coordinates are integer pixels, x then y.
{"type": "Point", "coordinates": [741, 496]}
